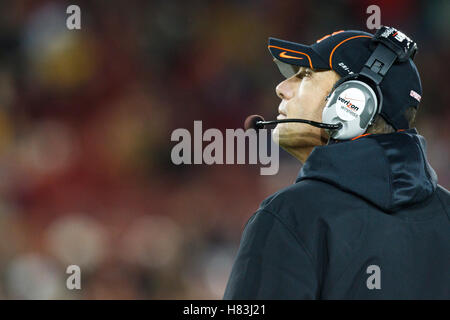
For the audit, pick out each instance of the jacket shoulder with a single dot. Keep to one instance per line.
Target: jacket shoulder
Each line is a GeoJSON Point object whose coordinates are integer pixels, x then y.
{"type": "Point", "coordinates": [311, 196]}
{"type": "Point", "coordinates": [443, 193]}
{"type": "Point", "coordinates": [318, 212]}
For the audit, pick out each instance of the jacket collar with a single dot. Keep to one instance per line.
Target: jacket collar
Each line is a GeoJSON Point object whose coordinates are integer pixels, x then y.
{"type": "Point", "coordinates": [389, 170]}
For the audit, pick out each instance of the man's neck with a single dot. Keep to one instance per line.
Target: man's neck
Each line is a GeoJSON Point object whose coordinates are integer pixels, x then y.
{"type": "Point", "coordinates": [301, 154]}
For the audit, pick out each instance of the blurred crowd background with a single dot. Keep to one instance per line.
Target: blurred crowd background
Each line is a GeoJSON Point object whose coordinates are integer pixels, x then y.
{"type": "Point", "coordinates": [85, 124]}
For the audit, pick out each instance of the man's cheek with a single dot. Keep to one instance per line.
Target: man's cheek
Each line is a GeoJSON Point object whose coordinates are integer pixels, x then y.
{"type": "Point", "coordinates": [300, 90]}
{"type": "Point", "coordinates": [292, 109]}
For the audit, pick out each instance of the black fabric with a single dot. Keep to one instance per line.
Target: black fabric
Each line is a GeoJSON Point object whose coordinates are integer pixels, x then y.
{"type": "Point", "coordinates": [355, 204]}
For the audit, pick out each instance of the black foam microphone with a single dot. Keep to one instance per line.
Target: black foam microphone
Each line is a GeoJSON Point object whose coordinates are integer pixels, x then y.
{"type": "Point", "coordinates": [257, 122]}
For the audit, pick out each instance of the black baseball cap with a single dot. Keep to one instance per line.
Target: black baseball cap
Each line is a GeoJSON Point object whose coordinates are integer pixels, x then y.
{"type": "Point", "coordinates": [346, 52]}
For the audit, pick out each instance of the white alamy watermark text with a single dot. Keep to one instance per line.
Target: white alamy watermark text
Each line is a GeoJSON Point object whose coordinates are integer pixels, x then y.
{"type": "Point", "coordinates": [228, 148]}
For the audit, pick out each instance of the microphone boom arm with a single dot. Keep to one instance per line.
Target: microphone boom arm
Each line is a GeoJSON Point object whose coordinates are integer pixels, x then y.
{"type": "Point", "coordinates": [336, 126]}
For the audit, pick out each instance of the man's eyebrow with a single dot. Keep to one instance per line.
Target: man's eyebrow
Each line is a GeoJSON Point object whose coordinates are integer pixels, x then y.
{"type": "Point", "coordinates": [304, 69]}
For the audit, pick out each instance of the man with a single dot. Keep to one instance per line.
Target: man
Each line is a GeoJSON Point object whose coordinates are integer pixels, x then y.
{"type": "Point", "coordinates": [365, 218]}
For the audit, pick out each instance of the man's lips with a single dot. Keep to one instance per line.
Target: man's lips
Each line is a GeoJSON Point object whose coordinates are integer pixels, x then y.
{"type": "Point", "coordinates": [281, 109]}
{"type": "Point", "coordinates": [281, 116]}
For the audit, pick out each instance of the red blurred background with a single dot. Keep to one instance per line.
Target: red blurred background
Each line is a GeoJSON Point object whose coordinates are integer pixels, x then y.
{"type": "Point", "coordinates": [85, 124]}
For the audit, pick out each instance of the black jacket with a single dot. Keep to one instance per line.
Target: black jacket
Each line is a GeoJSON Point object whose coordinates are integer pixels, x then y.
{"type": "Point", "coordinates": [364, 220]}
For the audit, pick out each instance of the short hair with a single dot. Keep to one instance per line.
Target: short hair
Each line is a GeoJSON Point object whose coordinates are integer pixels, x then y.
{"type": "Point", "coordinates": [381, 126]}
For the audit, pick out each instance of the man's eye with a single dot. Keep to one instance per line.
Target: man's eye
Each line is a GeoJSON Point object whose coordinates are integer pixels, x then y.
{"type": "Point", "coordinates": [304, 73]}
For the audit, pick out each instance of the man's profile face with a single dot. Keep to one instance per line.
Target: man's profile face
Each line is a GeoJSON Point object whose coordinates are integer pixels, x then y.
{"type": "Point", "coordinates": [303, 96]}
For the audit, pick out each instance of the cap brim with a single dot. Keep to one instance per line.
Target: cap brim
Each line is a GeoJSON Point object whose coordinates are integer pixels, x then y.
{"type": "Point", "coordinates": [296, 54]}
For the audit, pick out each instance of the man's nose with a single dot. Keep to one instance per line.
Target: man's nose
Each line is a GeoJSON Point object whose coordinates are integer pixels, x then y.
{"type": "Point", "coordinates": [285, 89]}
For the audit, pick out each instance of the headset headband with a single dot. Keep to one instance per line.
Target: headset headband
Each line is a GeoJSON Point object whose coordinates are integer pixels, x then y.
{"type": "Point", "coordinates": [392, 45]}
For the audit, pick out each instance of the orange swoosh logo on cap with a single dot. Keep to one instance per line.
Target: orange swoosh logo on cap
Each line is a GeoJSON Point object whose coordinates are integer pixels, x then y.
{"type": "Point", "coordinates": [284, 55]}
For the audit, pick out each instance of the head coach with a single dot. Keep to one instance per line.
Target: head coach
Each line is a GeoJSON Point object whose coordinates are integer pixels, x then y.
{"type": "Point", "coordinates": [365, 218]}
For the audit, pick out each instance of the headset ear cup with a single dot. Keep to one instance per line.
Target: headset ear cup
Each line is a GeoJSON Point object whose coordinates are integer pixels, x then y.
{"type": "Point", "coordinates": [354, 104]}
{"type": "Point", "coordinates": [327, 113]}
{"type": "Point", "coordinates": [345, 79]}
{"type": "Point", "coordinates": [378, 96]}
{"type": "Point", "coordinates": [339, 82]}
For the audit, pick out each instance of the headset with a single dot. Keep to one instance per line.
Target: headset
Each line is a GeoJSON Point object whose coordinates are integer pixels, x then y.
{"type": "Point", "coordinates": [356, 99]}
